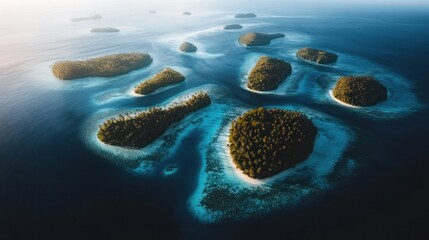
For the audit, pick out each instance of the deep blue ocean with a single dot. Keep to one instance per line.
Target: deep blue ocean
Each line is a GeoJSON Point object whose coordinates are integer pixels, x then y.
{"type": "Point", "coordinates": [55, 184]}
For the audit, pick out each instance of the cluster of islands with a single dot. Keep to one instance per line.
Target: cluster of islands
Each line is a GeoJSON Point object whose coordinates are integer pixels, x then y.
{"type": "Point", "coordinates": [263, 141]}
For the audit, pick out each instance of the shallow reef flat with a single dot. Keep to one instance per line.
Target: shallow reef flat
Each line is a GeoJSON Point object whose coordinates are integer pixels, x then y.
{"type": "Point", "coordinates": [224, 193]}
{"type": "Point", "coordinates": [150, 157]}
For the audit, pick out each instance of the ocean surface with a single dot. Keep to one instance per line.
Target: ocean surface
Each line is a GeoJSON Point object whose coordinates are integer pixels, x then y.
{"type": "Point", "coordinates": [57, 181]}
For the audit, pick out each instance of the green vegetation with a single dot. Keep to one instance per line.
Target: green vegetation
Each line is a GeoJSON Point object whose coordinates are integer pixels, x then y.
{"type": "Point", "coordinates": [264, 142]}
{"type": "Point", "coordinates": [104, 30]}
{"type": "Point", "coordinates": [268, 73]}
{"type": "Point", "coordinates": [105, 66]}
{"type": "Point", "coordinates": [360, 90]}
{"type": "Point", "coordinates": [245, 15]}
{"type": "Point", "coordinates": [232, 26]}
{"type": "Point", "coordinates": [93, 17]}
{"type": "Point", "coordinates": [258, 39]}
{"type": "Point", "coordinates": [164, 78]}
{"type": "Point", "coordinates": [186, 13]}
{"type": "Point", "coordinates": [316, 55]}
{"type": "Point", "coordinates": [141, 128]}
{"type": "Point", "coordinates": [187, 47]}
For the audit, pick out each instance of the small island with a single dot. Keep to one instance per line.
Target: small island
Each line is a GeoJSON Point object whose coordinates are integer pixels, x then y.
{"type": "Point", "coordinates": [93, 17]}
{"type": "Point", "coordinates": [105, 66]}
{"type": "Point", "coordinates": [164, 78]}
{"type": "Point", "coordinates": [104, 30]}
{"type": "Point", "coordinates": [187, 47]}
{"type": "Point", "coordinates": [316, 55]}
{"type": "Point", "coordinates": [258, 39]}
{"type": "Point", "coordinates": [264, 142]}
{"type": "Point", "coordinates": [141, 128]}
{"type": "Point", "coordinates": [245, 15]}
{"type": "Point", "coordinates": [186, 13]}
{"type": "Point", "coordinates": [268, 73]}
{"type": "Point", "coordinates": [152, 11]}
{"type": "Point", "coordinates": [359, 90]}
{"type": "Point", "coordinates": [232, 26]}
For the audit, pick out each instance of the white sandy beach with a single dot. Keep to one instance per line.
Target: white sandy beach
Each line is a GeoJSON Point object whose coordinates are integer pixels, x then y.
{"type": "Point", "coordinates": [331, 94]}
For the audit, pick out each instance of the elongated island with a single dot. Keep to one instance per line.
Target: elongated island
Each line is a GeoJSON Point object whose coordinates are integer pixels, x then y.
{"type": "Point", "coordinates": [187, 47]}
{"type": "Point", "coordinates": [164, 78]}
{"type": "Point", "coordinates": [264, 142]}
{"type": "Point", "coordinates": [141, 128]}
{"type": "Point", "coordinates": [359, 90]}
{"type": "Point", "coordinates": [245, 15]}
{"type": "Point", "coordinates": [258, 39]}
{"type": "Point", "coordinates": [105, 66]}
{"type": "Point", "coordinates": [316, 55]}
{"type": "Point", "coordinates": [268, 73]}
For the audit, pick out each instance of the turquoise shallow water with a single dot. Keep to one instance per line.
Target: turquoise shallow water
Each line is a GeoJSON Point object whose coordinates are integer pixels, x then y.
{"type": "Point", "coordinates": [53, 172]}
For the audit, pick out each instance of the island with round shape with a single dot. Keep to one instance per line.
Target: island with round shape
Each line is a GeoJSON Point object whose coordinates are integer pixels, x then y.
{"type": "Point", "coordinates": [186, 13]}
{"type": "Point", "coordinates": [164, 78]}
{"type": "Point", "coordinates": [258, 39]}
{"type": "Point", "coordinates": [359, 90]}
{"type": "Point", "coordinates": [137, 130]}
{"type": "Point", "coordinates": [232, 26]}
{"type": "Point", "coordinates": [104, 30]}
{"type": "Point", "coordinates": [104, 66]}
{"type": "Point", "coordinates": [187, 47]}
{"type": "Point", "coordinates": [316, 55]}
{"type": "Point", "coordinates": [268, 73]}
{"type": "Point", "coordinates": [245, 15]}
{"type": "Point", "coordinates": [93, 17]}
{"type": "Point", "coordinates": [264, 142]}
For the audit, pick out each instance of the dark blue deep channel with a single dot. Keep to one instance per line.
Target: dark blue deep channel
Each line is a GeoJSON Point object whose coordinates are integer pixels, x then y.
{"type": "Point", "coordinates": [53, 184]}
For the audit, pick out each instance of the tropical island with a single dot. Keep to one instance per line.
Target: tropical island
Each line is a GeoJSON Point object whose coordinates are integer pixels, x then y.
{"type": "Point", "coordinates": [232, 26]}
{"type": "Point", "coordinates": [186, 13]}
{"type": "Point", "coordinates": [268, 73]}
{"type": "Point", "coordinates": [264, 142]}
{"type": "Point", "coordinates": [104, 30]}
{"type": "Point", "coordinates": [93, 17]}
{"type": "Point", "coordinates": [359, 90]}
{"type": "Point", "coordinates": [139, 129]}
{"type": "Point", "coordinates": [164, 78]}
{"type": "Point", "coordinates": [258, 39]}
{"type": "Point", "coordinates": [316, 55]}
{"type": "Point", "coordinates": [245, 15]}
{"type": "Point", "coordinates": [104, 66]}
{"type": "Point", "coordinates": [187, 47]}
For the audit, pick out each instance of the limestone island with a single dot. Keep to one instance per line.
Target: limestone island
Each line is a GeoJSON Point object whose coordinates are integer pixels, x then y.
{"type": "Point", "coordinates": [232, 26]}
{"type": "Point", "coordinates": [186, 13]}
{"type": "Point", "coordinates": [105, 66]}
{"type": "Point", "coordinates": [164, 78]}
{"type": "Point", "coordinates": [268, 73]}
{"type": "Point", "coordinates": [93, 17]}
{"type": "Point", "coordinates": [264, 142]}
{"type": "Point", "coordinates": [187, 47]}
{"type": "Point", "coordinates": [359, 90]}
{"type": "Point", "coordinates": [141, 128]}
{"type": "Point", "coordinates": [104, 30]}
{"type": "Point", "coordinates": [258, 39]}
{"type": "Point", "coordinates": [245, 15]}
{"type": "Point", "coordinates": [316, 55]}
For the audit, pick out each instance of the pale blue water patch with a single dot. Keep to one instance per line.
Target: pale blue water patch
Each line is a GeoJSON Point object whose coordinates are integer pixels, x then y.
{"type": "Point", "coordinates": [243, 197]}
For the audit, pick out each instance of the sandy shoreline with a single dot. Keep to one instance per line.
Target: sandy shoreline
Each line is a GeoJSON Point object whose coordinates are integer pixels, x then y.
{"type": "Point", "coordinates": [228, 162]}
{"type": "Point", "coordinates": [331, 94]}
